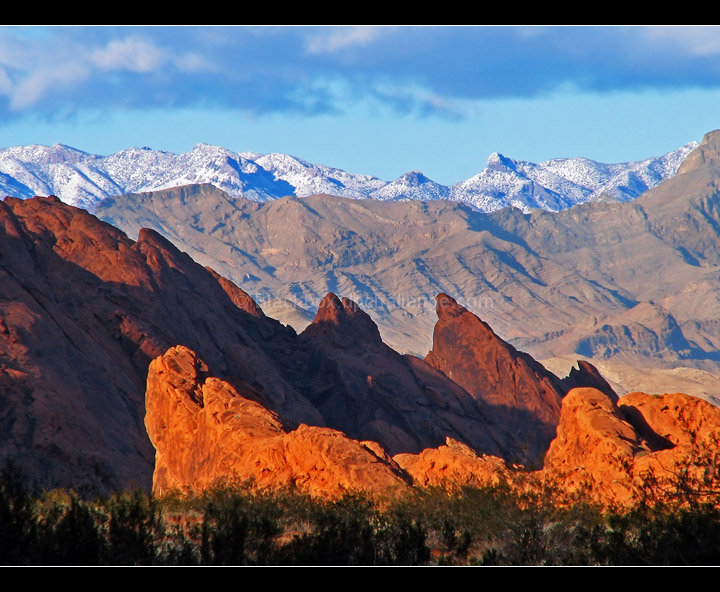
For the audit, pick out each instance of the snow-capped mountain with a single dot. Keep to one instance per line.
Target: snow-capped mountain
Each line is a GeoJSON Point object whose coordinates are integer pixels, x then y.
{"type": "Point", "coordinates": [558, 184]}
{"type": "Point", "coordinates": [412, 185]}
{"type": "Point", "coordinates": [84, 179]}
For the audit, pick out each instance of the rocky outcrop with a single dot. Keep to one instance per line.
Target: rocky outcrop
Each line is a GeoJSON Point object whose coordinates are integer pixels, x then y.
{"type": "Point", "coordinates": [524, 397]}
{"type": "Point", "coordinates": [644, 447]}
{"type": "Point", "coordinates": [587, 375]}
{"type": "Point", "coordinates": [369, 391]}
{"type": "Point", "coordinates": [83, 311]}
{"type": "Point", "coordinates": [595, 447]}
{"type": "Point", "coordinates": [207, 433]}
{"type": "Point", "coordinates": [453, 465]}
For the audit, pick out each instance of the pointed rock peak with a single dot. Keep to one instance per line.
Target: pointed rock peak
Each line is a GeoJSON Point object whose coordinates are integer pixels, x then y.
{"type": "Point", "coordinates": [329, 309]}
{"type": "Point", "coordinates": [414, 178]}
{"type": "Point", "coordinates": [344, 323]}
{"type": "Point", "coordinates": [499, 162]}
{"type": "Point", "coordinates": [447, 307]}
{"type": "Point", "coordinates": [525, 397]}
{"type": "Point", "coordinates": [707, 152]}
{"type": "Point", "coordinates": [587, 375]}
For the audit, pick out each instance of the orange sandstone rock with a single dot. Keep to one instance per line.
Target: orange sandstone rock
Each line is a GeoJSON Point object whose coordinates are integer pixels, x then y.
{"type": "Point", "coordinates": [452, 465]}
{"type": "Point", "coordinates": [595, 447]}
{"type": "Point", "coordinates": [206, 433]}
{"type": "Point", "coordinates": [524, 397]}
{"type": "Point", "coordinates": [664, 447]}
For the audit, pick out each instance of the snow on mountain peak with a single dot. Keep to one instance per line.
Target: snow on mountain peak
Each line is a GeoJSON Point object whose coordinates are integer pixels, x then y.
{"type": "Point", "coordinates": [84, 179]}
{"type": "Point", "coordinates": [497, 161]}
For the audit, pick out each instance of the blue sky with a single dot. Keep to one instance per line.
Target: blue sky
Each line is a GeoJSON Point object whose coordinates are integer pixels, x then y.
{"type": "Point", "coordinates": [375, 100]}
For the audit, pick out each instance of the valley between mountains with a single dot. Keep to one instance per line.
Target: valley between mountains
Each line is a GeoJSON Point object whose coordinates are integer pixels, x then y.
{"type": "Point", "coordinates": [139, 343]}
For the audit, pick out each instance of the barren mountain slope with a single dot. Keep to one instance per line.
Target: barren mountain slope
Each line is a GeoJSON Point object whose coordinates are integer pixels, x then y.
{"type": "Point", "coordinates": [84, 309]}
{"type": "Point", "coordinates": [630, 282]}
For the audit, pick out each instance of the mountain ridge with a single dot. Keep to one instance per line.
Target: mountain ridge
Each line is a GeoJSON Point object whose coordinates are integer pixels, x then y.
{"type": "Point", "coordinates": [83, 179]}
{"type": "Point", "coordinates": [84, 310]}
{"type": "Point", "coordinates": [609, 281]}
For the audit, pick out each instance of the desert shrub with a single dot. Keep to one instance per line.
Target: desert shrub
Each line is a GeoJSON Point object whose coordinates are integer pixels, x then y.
{"type": "Point", "coordinates": [71, 530]}
{"type": "Point", "coordinates": [497, 525]}
{"type": "Point", "coordinates": [235, 531]}
{"type": "Point", "coordinates": [480, 526]}
{"type": "Point", "coordinates": [135, 529]}
{"type": "Point", "coordinates": [648, 536]}
{"type": "Point", "coordinates": [352, 531]}
{"type": "Point", "coordinates": [19, 535]}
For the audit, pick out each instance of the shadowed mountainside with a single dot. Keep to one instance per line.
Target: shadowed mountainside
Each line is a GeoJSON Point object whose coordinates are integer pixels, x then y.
{"type": "Point", "coordinates": [84, 309]}
{"type": "Point", "coordinates": [635, 283]}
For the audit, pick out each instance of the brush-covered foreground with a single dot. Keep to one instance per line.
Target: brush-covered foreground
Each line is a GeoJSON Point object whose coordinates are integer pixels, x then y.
{"type": "Point", "coordinates": [471, 526]}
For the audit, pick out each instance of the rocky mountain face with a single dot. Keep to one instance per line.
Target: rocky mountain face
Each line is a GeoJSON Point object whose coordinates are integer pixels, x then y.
{"type": "Point", "coordinates": [629, 283]}
{"type": "Point", "coordinates": [84, 310]}
{"type": "Point", "coordinates": [124, 362]}
{"type": "Point", "coordinates": [83, 179]}
{"type": "Point", "coordinates": [467, 351]}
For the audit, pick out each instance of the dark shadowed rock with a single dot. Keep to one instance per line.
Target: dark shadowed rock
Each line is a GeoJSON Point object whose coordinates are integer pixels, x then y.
{"type": "Point", "coordinates": [344, 324]}
{"type": "Point", "coordinates": [84, 310]}
{"type": "Point", "coordinates": [371, 392]}
{"type": "Point", "coordinates": [587, 375]}
{"type": "Point", "coordinates": [525, 398]}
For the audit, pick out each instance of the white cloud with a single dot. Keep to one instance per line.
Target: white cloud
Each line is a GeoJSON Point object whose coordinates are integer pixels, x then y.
{"type": "Point", "coordinates": [31, 73]}
{"type": "Point", "coordinates": [695, 40]}
{"type": "Point", "coordinates": [41, 82]}
{"type": "Point", "coordinates": [333, 41]}
{"type": "Point", "coordinates": [130, 54]}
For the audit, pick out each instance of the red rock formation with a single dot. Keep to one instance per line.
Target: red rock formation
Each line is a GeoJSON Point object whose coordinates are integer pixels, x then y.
{"type": "Point", "coordinates": [524, 397]}
{"type": "Point", "coordinates": [206, 433]}
{"type": "Point", "coordinates": [586, 375]}
{"type": "Point", "coordinates": [595, 447]}
{"type": "Point", "coordinates": [453, 465]}
{"type": "Point", "coordinates": [369, 391]}
{"type": "Point", "coordinates": [641, 446]}
{"type": "Point", "coordinates": [83, 311]}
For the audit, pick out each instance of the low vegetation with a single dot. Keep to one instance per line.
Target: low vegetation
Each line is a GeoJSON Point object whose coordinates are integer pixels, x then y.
{"type": "Point", "coordinates": [471, 526]}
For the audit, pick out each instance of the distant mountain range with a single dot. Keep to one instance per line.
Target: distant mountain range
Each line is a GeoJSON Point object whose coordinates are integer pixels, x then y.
{"type": "Point", "coordinates": [82, 179]}
{"type": "Point", "coordinates": [620, 282]}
